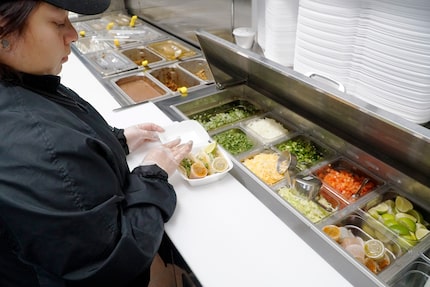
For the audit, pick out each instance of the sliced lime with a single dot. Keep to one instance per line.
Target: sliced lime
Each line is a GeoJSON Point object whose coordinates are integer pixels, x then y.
{"type": "Point", "coordinates": [374, 213]}
{"type": "Point", "coordinates": [403, 205]}
{"type": "Point", "coordinates": [410, 238]}
{"type": "Point", "coordinates": [415, 213]}
{"type": "Point", "coordinates": [390, 222]}
{"type": "Point", "coordinates": [210, 147]}
{"type": "Point", "coordinates": [382, 208]}
{"type": "Point", "coordinates": [399, 229]}
{"type": "Point", "coordinates": [408, 223]}
{"type": "Point", "coordinates": [388, 216]}
{"type": "Point", "coordinates": [421, 232]}
{"type": "Point", "coordinates": [390, 203]}
{"type": "Point", "coordinates": [405, 215]}
{"type": "Point", "coordinates": [421, 226]}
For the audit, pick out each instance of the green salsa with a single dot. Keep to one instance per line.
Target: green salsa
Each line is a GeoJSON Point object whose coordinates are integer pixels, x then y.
{"type": "Point", "coordinates": [305, 150]}
{"type": "Point", "coordinates": [225, 114]}
{"type": "Point", "coordinates": [235, 141]}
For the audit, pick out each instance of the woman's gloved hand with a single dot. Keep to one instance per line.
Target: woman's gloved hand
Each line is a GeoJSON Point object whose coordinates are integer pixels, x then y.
{"type": "Point", "coordinates": [138, 134]}
{"type": "Point", "coordinates": [169, 155]}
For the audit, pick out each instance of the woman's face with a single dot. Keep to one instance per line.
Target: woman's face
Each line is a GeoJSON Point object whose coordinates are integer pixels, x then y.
{"type": "Point", "coordinates": [45, 43]}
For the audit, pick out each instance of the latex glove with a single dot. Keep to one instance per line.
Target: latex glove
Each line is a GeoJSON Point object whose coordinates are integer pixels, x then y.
{"type": "Point", "coordinates": [138, 134]}
{"type": "Point", "coordinates": [169, 155]}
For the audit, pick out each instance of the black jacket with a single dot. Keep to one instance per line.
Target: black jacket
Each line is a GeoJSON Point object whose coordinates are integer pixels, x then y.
{"type": "Point", "coordinates": [71, 212]}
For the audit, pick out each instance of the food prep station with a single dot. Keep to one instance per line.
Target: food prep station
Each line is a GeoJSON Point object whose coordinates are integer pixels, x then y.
{"type": "Point", "coordinates": [238, 96]}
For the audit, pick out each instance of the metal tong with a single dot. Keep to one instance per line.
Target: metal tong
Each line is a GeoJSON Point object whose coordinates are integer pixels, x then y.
{"type": "Point", "coordinates": [309, 186]}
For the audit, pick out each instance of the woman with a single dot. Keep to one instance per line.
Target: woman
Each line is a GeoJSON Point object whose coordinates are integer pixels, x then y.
{"type": "Point", "coordinates": [71, 212]}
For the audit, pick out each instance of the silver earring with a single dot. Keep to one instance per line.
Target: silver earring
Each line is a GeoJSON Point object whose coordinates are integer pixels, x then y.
{"type": "Point", "coordinates": [4, 43]}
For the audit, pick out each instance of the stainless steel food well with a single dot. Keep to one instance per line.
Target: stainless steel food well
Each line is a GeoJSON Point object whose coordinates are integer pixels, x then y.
{"type": "Point", "coordinates": [395, 151]}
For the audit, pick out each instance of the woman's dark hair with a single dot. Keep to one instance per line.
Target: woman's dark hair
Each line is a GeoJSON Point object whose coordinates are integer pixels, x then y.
{"type": "Point", "coordinates": [13, 18]}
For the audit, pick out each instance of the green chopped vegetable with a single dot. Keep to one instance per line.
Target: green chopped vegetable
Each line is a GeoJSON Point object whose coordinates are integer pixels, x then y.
{"type": "Point", "coordinates": [234, 141]}
{"type": "Point", "coordinates": [308, 208]}
{"type": "Point", "coordinates": [306, 151]}
{"type": "Point", "coordinates": [225, 114]}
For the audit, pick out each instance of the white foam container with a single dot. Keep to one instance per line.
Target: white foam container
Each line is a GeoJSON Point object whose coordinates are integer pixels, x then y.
{"type": "Point", "coordinates": [193, 130]}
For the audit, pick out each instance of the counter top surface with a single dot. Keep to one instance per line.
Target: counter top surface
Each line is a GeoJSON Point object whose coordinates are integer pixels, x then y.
{"type": "Point", "coordinates": [224, 233]}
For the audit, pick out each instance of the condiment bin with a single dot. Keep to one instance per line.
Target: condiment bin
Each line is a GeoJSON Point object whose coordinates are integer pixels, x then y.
{"type": "Point", "coordinates": [345, 178]}
{"type": "Point", "coordinates": [143, 57]}
{"type": "Point", "coordinates": [174, 50]}
{"type": "Point", "coordinates": [322, 207]}
{"type": "Point", "coordinates": [268, 128]}
{"type": "Point", "coordinates": [235, 140]}
{"type": "Point", "coordinates": [90, 44]}
{"type": "Point", "coordinates": [137, 87]}
{"type": "Point", "coordinates": [174, 78]}
{"type": "Point", "coordinates": [308, 151]}
{"type": "Point", "coordinates": [110, 62]}
{"type": "Point", "coordinates": [352, 233]}
{"type": "Point", "coordinates": [416, 273]}
{"type": "Point", "coordinates": [400, 215]}
{"type": "Point", "coordinates": [199, 68]}
{"type": "Point", "coordinates": [225, 113]}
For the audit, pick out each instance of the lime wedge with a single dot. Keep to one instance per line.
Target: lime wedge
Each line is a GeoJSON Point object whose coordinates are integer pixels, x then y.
{"type": "Point", "coordinates": [408, 223]}
{"type": "Point", "coordinates": [388, 216]}
{"type": "Point", "coordinates": [382, 208]}
{"type": "Point", "coordinates": [390, 203]}
{"type": "Point", "coordinates": [399, 229]}
{"type": "Point", "coordinates": [421, 232]}
{"type": "Point", "coordinates": [210, 147]}
{"type": "Point", "coordinates": [374, 212]}
{"type": "Point", "coordinates": [405, 215]}
{"type": "Point", "coordinates": [403, 205]}
{"type": "Point", "coordinates": [390, 222]}
{"type": "Point", "coordinates": [411, 238]}
{"type": "Point", "coordinates": [421, 226]}
{"type": "Point", "coordinates": [415, 213]}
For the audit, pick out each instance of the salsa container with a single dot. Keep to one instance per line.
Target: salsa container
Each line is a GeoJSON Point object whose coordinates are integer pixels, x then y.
{"type": "Point", "coordinates": [308, 151]}
{"type": "Point", "coordinates": [235, 140]}
{"type": "Point", "coordinates": [137, 87]}
{"type": "Point", "coordinates": [345, 178]}
{"type": "Point", "coordinates": [174, 78]}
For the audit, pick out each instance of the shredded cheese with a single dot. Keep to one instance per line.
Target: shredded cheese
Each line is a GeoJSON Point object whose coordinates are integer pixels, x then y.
{"type": "Point", "coordinates": [263, 165]}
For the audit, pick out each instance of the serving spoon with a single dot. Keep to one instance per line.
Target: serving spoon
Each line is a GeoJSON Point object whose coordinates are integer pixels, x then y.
{"type": "Point", "coordinates": [286, 161]}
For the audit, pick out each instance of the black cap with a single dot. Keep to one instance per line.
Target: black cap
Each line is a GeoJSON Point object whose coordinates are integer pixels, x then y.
{"type": "Point", "coordinates": [86, 7]}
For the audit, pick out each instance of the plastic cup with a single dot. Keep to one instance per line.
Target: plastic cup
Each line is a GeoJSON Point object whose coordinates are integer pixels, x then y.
{"type": "Point", "coordinates": [244, 37]}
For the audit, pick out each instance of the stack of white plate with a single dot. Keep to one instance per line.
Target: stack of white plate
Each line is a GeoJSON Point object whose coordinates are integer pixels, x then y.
{"type": "Point", "coordinates": [280, 30]}
{"type": "Point", "coordinates": [378, 49]}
